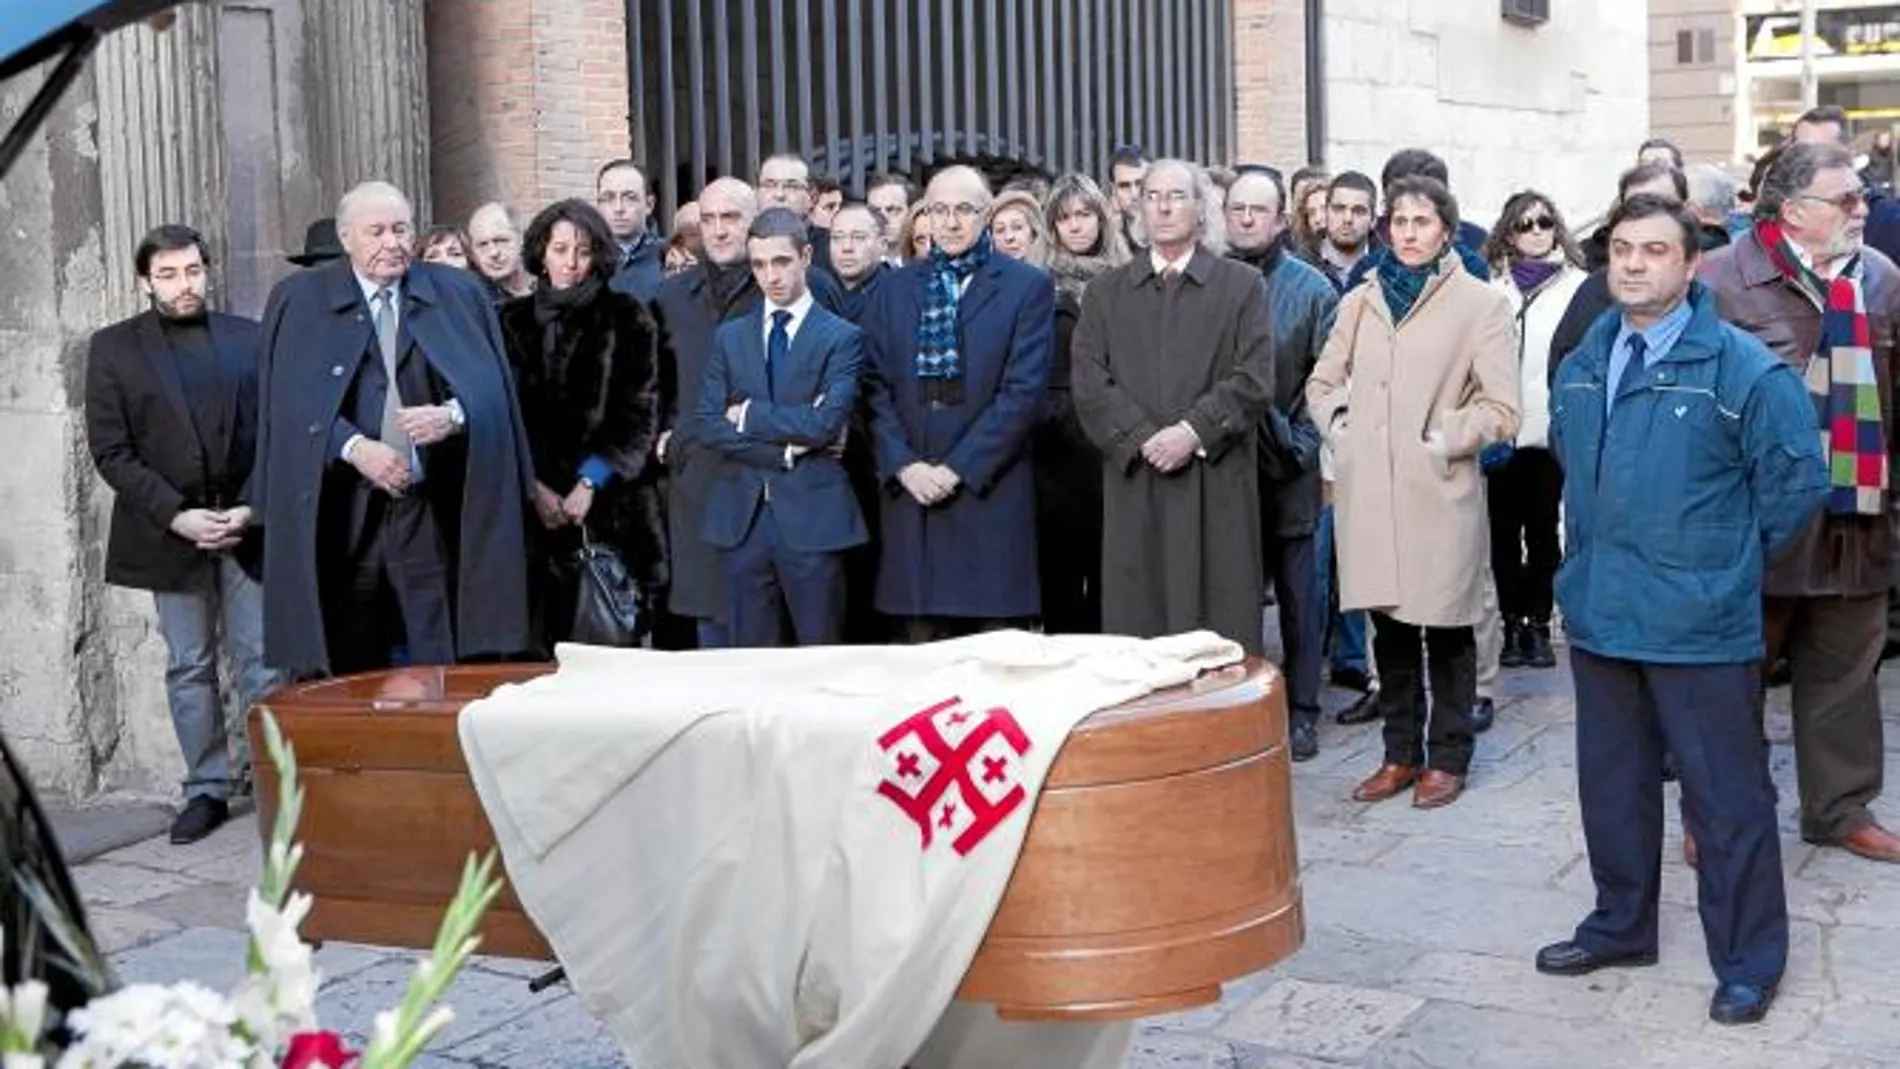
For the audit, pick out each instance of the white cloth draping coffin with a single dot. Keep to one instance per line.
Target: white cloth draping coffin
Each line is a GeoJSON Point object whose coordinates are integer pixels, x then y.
{"type": "Point", "coordinates": [757, 858]}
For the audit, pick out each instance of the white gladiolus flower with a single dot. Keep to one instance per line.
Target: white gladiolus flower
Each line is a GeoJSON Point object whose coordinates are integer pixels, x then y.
{"type": "Point", "coordinates": [24, 1009]}
{"type": "Point", "coordinates": [433, 1025]}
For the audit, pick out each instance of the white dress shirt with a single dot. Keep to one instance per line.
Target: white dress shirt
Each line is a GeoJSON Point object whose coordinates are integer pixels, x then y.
{"type": "Point", "coordinates": [1162, 265]}
{"type": "Point", "coordinates": [370, 290]}
{"type": "Point", "coordinates": [799, 309]}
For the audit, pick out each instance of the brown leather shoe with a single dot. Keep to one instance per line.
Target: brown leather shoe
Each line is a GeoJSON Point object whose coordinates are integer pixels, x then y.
{"type": "Point", "coordinates": [1874, 843]}
{"type": "Point", "coordinates": [1383, 784]}
{"type": "Point", "coordinates": [1436, 789]}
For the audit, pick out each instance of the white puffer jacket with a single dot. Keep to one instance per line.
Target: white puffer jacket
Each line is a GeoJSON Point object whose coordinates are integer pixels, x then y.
{"type": "Point", "coordinates": [1537, 319]}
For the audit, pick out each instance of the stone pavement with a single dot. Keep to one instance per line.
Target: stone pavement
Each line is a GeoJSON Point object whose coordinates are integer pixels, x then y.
{"type": "Point", "coordinates": [1421, 929]}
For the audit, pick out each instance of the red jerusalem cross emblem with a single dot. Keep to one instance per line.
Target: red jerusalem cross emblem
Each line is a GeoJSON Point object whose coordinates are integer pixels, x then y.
{"type": "Point", "coordinates": [956, 773]}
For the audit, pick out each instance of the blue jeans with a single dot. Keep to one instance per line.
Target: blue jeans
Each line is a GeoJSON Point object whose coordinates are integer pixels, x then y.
{"type": "Point", "coordinates": [220, 606]}
{"type": "Point", "coordinates": [1346, 631]}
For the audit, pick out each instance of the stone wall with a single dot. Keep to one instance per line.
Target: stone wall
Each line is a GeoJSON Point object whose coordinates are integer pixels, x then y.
{"type": "Point", "coordinates": [245, 119]}
{"type": "Point", "coordinates": [1499, 102]}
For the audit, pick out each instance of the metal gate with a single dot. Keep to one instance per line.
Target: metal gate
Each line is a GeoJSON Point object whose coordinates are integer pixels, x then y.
{"type": "Point", "coordinates": [860, 86]}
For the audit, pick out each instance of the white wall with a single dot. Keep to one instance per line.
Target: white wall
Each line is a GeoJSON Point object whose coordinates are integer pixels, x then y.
{"type": "Point", "coordinates": [1560, 108]}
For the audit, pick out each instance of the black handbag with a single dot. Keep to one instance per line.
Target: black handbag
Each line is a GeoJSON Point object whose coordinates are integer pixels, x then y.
{"type": "Point", "coordinates": [609, 606]}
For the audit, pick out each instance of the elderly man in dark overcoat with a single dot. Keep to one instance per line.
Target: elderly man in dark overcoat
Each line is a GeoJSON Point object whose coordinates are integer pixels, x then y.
{"type": "Point", "coordinates": [961, 344]}
{"type": "Point", "coordinates": [1173, 372]}
{"type": "Point", "coordinates": [393, 472]}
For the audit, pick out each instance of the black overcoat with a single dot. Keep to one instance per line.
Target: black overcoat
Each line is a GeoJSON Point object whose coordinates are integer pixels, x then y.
{"type": "Point", "coordinates": [316, 332]}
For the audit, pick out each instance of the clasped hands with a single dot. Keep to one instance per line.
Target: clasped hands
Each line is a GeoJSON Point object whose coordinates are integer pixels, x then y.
{"type": "Point", "coordinates": [556, 511]}
{"type": "Point", "coordinates": [1170, 448]}
{"type": "Point", "coordinates": [387, 469]}
{"type": "Point", "coordinates": [212, 530]}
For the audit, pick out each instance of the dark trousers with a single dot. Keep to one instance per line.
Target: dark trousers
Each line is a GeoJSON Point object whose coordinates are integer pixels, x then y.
{"type": "Point", "coordinates": [1441, 738]}
{"type": "Point", "coordinates": [1628, 715]}
{"type": "Point", "coordinates": [767, 581]}
{"type": "Point", "coordinates": [1523, 496]}
{"type": "Point", "coordinates": [1069, 562]}
{"type": "Point", "coordinates": [1833, 646]}
{"type": "Point", "coordinates": [391, 604]}
{"type": "Point", "coordinates": [1294, 566]}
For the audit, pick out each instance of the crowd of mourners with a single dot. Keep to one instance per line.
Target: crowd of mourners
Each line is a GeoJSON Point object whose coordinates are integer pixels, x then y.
{"type": "Point", "coordinates": [1147, 405]}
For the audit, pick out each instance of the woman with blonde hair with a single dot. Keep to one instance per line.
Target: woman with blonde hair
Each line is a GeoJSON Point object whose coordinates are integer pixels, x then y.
{"type": "Point", "coordinates": [1017, 228]}
{"type": "Point", "coordinates": [1084, 240]}
{"type": "Point", "coordinates": [913, 238]}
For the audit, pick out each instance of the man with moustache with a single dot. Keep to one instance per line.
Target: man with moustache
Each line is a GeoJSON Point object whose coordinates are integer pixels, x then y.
{"type": "Point", "coordinates": [1690, 459]}
{"type": "Point", "coordinates": [961, 344]}
{"type": "Point", "coordinates": [1352, 205]}
{"type": "Point", "coordinates": [171, 421]}
{"type": "Point", "coordinates": [1804, 283]}
{"type": "Point", "coordinates": [625, 200]}
{"type": "Point", "coordinates": [689, 309]}
{"type": "Point", "coordinates": [1302, 305]}
{"type": "Point", "coordinates": [393, 470]}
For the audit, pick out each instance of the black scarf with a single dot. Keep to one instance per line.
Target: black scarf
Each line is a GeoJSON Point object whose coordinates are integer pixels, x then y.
{"type": "Point", "coordinates": [728, 283]}
{"type": "Point", "coordinates": [1263, 259]}
{"type": "Point", "coordinates": [552, 309]}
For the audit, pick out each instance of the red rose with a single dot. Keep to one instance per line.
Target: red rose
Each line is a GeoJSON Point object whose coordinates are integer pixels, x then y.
{"type": "Point", "coordinates": [310, 1049]}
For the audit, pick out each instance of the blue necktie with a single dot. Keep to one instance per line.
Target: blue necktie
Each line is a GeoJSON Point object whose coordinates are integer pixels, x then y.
{"type": "Point", "coordinates": [777, 348]}
{"type": "Point", "coordinates": [1632, 369]}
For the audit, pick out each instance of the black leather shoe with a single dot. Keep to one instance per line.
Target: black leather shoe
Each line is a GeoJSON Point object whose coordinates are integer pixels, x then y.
{"type": "Point", "coordinates": [1537, 651]}
{"type": "Point", "coordinates": [1305, 740]}
{"type": "Point", "coordinates": [1484, 713]}
{"type": "Point", "coordinates": [202, 816]}
{"type": "Point", "coordinates": [1352, 679]}
{"type": "Point", "coordinates": [1512, 655]}
{"type": "Point", "coordinates": [1740, 1003]}
{"type": "Point", "coordinates": [1569, 959]}
{"type": "Point", "coordinates": [1363, 711]}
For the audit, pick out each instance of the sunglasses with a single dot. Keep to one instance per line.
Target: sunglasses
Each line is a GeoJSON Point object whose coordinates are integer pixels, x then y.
{"type": "Point", "coordinates": [1539, 222]}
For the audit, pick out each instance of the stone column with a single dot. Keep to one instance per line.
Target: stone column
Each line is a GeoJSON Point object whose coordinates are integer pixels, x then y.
{"type": "Point", "coordinates": [133, 144]}
{"type": "Point", "coordinates": [366, 91]}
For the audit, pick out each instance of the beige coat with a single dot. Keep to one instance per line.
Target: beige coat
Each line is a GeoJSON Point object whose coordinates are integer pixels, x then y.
{"type": "Point", "coordinates": [1413, 537]}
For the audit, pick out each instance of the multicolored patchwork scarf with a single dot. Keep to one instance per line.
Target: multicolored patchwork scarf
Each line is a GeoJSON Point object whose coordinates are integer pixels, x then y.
{"type": "Point", "coordinates": [937, 356]}
{"type": "Point", "coordinates": [1841, 379]}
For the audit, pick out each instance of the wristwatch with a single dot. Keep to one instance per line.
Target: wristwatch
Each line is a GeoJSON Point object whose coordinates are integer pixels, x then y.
{"type": "Point", "coordinates": [584, 481]}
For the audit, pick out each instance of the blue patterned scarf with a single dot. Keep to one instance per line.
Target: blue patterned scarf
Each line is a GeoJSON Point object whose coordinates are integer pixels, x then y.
{"type": "Point", "coordinates": [1402, 285]}
{"type": "Point", "coordinates": [937, 356]}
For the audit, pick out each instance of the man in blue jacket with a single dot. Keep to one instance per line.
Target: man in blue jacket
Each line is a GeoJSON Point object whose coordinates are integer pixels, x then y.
{"type": "Point", "coordinates": [1690, 457]}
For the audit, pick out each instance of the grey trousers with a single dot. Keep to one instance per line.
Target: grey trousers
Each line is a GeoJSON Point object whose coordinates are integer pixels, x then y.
{"type": "Point", "coordinates": [221, 608]}
{"type": "Point", "coordinates": [1833, 646]}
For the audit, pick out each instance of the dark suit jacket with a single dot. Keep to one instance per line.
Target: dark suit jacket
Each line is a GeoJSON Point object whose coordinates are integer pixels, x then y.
{"type": "Point", "coordinates": [812, 500]}
{"type": "Point", "coordinates": [317, 373]}
{"type": "Point", "coordinates": [974, 554]}
{"type": "Point", "coordinates": [688, 313]}
{"type": "Point", "coordinates": [148, 448]}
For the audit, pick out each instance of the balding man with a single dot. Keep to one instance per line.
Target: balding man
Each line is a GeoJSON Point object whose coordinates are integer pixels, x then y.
{"type": "Point", "coordinates": [393, 472]}
{"type": "Point", "coordinates": [1173, 374]}
{"type": "Point", "coordinates": [495, 253]}
{"type": "Point", "coordinates": [961, 344]}
{"type": "Point", "coordinates": [690, 307]}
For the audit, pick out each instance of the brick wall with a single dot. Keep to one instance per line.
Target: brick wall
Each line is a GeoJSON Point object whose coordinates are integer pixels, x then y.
{"type": "Point", "coordinates": [527, 99]}
{"type": "Point", "coordinates": [1270, 82]}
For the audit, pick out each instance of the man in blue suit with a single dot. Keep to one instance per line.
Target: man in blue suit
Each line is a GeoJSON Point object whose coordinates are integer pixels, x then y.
{"type": "Point", "coordinates": [960, 353]}
{"type": "Point", "coordinates": [779, 389]}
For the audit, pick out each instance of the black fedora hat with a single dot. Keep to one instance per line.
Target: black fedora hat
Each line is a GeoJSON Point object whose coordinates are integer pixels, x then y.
{"type": "Point", "coordinates": [320, 243]}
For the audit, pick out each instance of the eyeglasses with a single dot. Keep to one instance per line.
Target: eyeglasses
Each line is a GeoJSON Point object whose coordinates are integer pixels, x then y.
{"type": "Point", "coordinates": [1170, 197]}
{"type": "Point", "coordinates": [783, 185]}
{"type": "Point", "coordinates": [965, 211]}
{"type": "Point", "coordinates": [1847, 202]}
{"type": "Point", "coordinates": [1538, 222]}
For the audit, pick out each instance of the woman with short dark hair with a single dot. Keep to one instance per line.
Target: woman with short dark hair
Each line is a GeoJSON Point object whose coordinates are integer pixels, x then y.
{"type": "Point", "coordinates": [584, 359]}
{"type": "Point", "coordinates": [1418, 377]}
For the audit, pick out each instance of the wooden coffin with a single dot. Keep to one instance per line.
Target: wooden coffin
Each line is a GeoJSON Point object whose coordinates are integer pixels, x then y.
{"type": "Point", "coordinates": [1160, 861]}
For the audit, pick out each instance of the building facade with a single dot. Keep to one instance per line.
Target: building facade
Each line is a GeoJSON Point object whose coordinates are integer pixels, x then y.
{"type": "Point", "coordinates": [1725, 75]}
{"type": "Point", "coordinates": [249, 118]}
